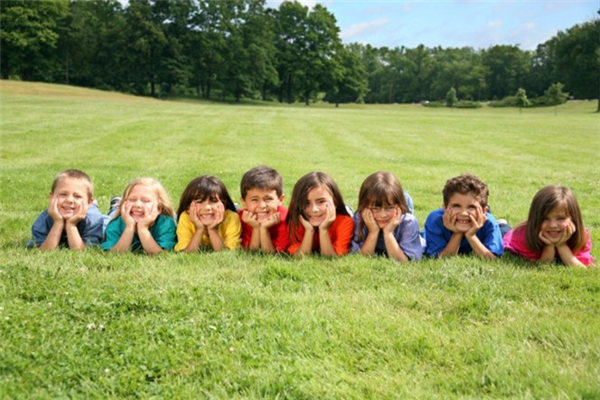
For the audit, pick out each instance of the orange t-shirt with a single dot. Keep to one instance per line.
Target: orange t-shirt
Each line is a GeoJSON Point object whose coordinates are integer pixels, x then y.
{"type": "Point", "coordinates": [340, 232]}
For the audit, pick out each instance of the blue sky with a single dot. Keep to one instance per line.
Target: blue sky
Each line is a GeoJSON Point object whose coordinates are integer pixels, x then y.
{"type": "Point", "coordinates": [455, 23]}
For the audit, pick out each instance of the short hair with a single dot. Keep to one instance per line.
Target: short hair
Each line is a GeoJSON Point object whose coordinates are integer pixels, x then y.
{"type": "Point", "coordinates": [466, 184]}
{"type": "Point", "coordinates": [261, 177]}
{"type": "Point", "coordinates": [74, 174]}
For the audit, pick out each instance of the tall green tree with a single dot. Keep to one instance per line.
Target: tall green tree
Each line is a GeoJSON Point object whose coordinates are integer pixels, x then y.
{"type": "Point", "coordinates": [507, 69]}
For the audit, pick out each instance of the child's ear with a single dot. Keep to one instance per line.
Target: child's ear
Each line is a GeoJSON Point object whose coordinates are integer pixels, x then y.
{"type": "Point", "coordinates": [486, 209]}
{"type": "Point", "coordinates": [281, 198]}
{"type": "Point", "coordinates": [90, 201]}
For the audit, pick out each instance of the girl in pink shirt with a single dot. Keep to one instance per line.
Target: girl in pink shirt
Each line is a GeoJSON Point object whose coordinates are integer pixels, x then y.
{"type": "Point", "coordinates": [553, 231]}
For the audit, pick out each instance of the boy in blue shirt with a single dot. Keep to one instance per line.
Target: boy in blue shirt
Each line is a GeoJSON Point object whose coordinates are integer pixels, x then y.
{"type": "Point", "coordinates": [464, 224]}
{"type": "Point", "coordinates": [71, 219]}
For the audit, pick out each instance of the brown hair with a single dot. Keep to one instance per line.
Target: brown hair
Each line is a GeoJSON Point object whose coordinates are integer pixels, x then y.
{"type": "Point", "coordinates": [166, 208]}
{"type": "Point", "coordinates": [202, 188]}
{"type": "Point", "coordinates": [73, 174]}
{"type": "Point", "coordinates": [300, 198]}
{"type": "Point", "coordinates": [544, 201]}
{"type": "Point", "coordinates": [261, 177]}
{"type": "Point", "coordinates": [466, 184]}
{"type": "Point", "coordinates": [380, 189]}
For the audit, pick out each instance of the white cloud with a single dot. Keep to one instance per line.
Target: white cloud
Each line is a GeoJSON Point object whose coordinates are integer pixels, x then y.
{"type": "Point", "coordinates": [495, 24]}
{"type": "Point", "coordinates": [363, 27]}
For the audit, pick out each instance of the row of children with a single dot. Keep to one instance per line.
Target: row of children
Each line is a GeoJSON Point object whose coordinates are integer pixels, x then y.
{"type": "Point", "coordinates": [317, 221]}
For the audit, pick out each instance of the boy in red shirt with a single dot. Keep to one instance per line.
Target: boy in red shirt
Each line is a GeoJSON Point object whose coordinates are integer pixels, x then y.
{"type": "Point", "coordinates": [263, 214]}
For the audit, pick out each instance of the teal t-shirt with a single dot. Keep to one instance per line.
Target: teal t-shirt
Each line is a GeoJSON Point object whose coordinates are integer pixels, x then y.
{"type": "Point", "coordinates": [163, 231]}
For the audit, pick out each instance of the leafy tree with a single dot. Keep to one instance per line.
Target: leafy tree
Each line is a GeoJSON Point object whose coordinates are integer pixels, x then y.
{"type": "Point", "coordinates": [507, 69]}
{"type": "Point", "coordinates": [521, 98]}
{"type": "Point", "coordinates": [350, 84]}
{"type": "Point", "coordinates": [451, 97]}
{"type": "Point", "coordinates": [555, 93]}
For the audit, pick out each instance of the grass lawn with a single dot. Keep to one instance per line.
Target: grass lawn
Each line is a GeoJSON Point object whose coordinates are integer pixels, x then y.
{"type": "Point", "coordinates": [238, 325]}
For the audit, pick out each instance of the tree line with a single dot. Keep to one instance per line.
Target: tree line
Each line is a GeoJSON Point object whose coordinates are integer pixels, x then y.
{"type": "Point", "coordinates": [243, 49]}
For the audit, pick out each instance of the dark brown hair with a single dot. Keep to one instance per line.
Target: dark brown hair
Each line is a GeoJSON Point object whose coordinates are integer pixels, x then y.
{"type": "Point", "coordinates": [466, 184]}
{"type": "Point", "coordinates": [204, 187]}
{"type": "Point", "coordinates": [544, 201]}
{"type": "Point", "coordinates": [300, 198]}
{"type": "Point", "coordinates": [261, 177]}
{"type": "Point", "coordinates": [380, 189]}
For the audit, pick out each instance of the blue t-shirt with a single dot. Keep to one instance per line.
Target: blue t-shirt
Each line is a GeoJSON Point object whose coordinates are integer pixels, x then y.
{"type": "Point", "coordinates": [406, 234]}
{"type": "Point", "coordinates": [90, 228]}
{"type": "Point", "coordinates": [437, 235]}
{"type": "Point", "coordinates": [162, 231]}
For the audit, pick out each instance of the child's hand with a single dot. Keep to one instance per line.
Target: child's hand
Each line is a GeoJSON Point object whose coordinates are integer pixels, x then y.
{"type": "Point", "coordinates": [219, 216]}
{"type": "Point", "coordinates": [126, 214]}
{"type": "Point", "coordinates": [477, 221]}
{"type": "Point", "coordinates": [307, 226]}
{"type": "Point", "coordinates": [193, 214]}
{"type": "Point", "coordinates": [394, 221]}
{"type": "Point", "coordinates": [150, 215]}
{"type": "Point", "coordinates": [329, 216]}
{"type": "Point", "coordinates": [449, 220]}
{"type": "Point", "coordinates": [567, 233]}
{"type": "Point", "coordinates": [546, 240]}
{"type": "Point", "coordinates": [81, 210]}
{"type": "Point", "coordinates": [53, 209]}
{"type": "Point", "coordinates": [271, 221]}
{"type": "Point", "coordinates": [250, 218]}
{"type": "Point", "coordinates": [369, 220]}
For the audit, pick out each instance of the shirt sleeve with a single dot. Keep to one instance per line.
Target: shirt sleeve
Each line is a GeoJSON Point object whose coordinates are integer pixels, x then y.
{"type": "Point", "coordinates": [246, 234]}
{"type": "Point", "coordinates": [435, 242]}
{"type": "Point", "coordinates": [514, 241]}
{"type": "Point", "coordinates": [92, 232]}
{"type": "Point", "coordinates": [410, 239]}
{"type": "Point", "coordinates": [185, 231]}
{"type": "Point", "coordinates": [356, 245]}
{"type": "Point", "coordinates": [343, 235]}
{"type": "Point", "coordinates": [39, 230]}
{"type": "Point", "coordinates": [281, 237]}
{"type": "Point", "coordinates": [165, 232]}
{"type": "Point", "coordinates": [585, 255]}
{"type": "Point", "coordinates": [113, 233]}
{"type": "Point", "coordinates": [491, 237]}
{"type": "Point", "coordinates": [231, 229]}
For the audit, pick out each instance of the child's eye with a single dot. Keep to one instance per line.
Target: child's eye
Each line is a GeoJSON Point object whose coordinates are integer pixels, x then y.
{"type": "Point", "coordinates": [376, 209]}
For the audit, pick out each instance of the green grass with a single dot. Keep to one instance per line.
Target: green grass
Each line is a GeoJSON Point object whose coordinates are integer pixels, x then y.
{"type": "Point", "coordinates": [237, 325]}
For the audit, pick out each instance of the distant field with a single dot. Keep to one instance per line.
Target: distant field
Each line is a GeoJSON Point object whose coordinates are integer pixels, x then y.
{"type": "Point", "coordinates": [248, 326]}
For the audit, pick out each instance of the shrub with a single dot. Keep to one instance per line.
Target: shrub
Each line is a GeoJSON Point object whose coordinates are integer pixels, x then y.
{"type": "Point", "coordinates": [467, 104]}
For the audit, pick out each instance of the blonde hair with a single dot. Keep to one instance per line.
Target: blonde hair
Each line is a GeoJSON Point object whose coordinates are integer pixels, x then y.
{"type": "Point", "coordinates": [74, 174]}
{"type": "Point", "coordinates": [164, 202]}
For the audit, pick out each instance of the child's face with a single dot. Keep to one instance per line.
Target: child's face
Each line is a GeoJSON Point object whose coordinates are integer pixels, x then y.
{"type": "Point", "coordinates": [555, 223]}
{"type": "Point", "coordinates": [142, 199]}
{"type": "Point", "coordinates": [71, 194]}
{"type": "Point", "coordinates": [206, 209]}
{"type": "Point", "coordinates": [318, 201]}
{"type": "Point", "coordinates": [383, 213]}
{"type": "Point", "coordinates": [462, 206]}
{"type": "Point", "coordinates": [262, 202]}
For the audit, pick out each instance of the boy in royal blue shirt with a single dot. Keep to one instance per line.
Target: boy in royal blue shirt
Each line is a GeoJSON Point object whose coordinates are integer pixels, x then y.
{"type": "Point", "coordinates": [464, 224]}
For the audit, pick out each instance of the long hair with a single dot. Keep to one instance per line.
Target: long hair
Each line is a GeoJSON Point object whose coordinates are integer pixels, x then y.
{"type": "Point", "coordinates": [544, 201]}
{"type": "Point", "coordinates": [166, 208]}
{"type": "Point", "coordinates": [300, 199]}
{"type": "Point", "coordinates": [201, 188]}
{"type": "Point", "coordinates": [380, 189]}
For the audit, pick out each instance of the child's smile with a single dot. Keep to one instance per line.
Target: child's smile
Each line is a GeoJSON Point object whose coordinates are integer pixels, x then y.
{"type": "Point", "coordinates": [463, 207]}
{"type": "Point", "coordinates": [71, 195]}
{"type": "Point", "coordinates": [142, 199]}
{"type": "Point", "coordinates": [555, 223]}
{"type": "Point", "coordinates": [262, 202]}
{"type": "Point", "coordinates": [317, 203]}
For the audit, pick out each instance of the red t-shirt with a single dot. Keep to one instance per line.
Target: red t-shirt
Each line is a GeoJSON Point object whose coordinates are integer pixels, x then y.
{"type": "Point", "coordinates": [279, 233]}
{"type": "Point", "coordinates": [340, 232]}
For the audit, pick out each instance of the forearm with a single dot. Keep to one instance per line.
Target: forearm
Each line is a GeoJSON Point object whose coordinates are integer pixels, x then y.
{"type": "Point", "coordinates": [479, 248]}
{"type": "Point", "coordinates": [53, 239]}
{"type": "Point", "coordinates": [369, 244]}
{"type": "Point", "coordinates": [215, 240]}
{"type": "Point", "coordinates": [195, 241]}
{"type": "Point", "coordinates": [325, 244]}
{"type": "Point", "coordinates": [567, 256]}
{"type": "Point", "coordinates": [255, 239]}
{"type": "Point", "coordinates": [124, 242]}
{"type": "Point", "coordinates": [266, 244]}
{"type": "Point", "coordinates": [306, 244]}
{"type": "Point", "coordinates": [548, 254]}
{"type": "Point", "coordinates": [73, 237]}
{"type": "Point", "coordinates": [393, 248]}
{"type": "Point", "coordinates": [453, 245]}
{"type": "Point", "coordinates": [148, 243]}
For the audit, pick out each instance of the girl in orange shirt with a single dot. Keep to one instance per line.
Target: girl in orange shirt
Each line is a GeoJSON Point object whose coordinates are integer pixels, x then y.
{"type": "Point", "coordinates": [317, 217]}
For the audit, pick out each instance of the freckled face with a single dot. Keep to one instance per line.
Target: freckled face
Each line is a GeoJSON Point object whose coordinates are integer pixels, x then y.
{"type": "Point", "coordinates": [262, 202]}
{"type": "Point", "coordinates": [142, 199]}
{"type": "Point", "coordinates": [71, 193]}
{"type": "Point", "coordinates": [462, 206]}
{"type": "Point", "coordinates": [555, 223]}
{"type": "Point", "coordinates": [317, 202]}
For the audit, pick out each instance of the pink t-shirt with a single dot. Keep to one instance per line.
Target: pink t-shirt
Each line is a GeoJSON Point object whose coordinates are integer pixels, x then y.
{"type": "Point", "coordinates": [515, 241]}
